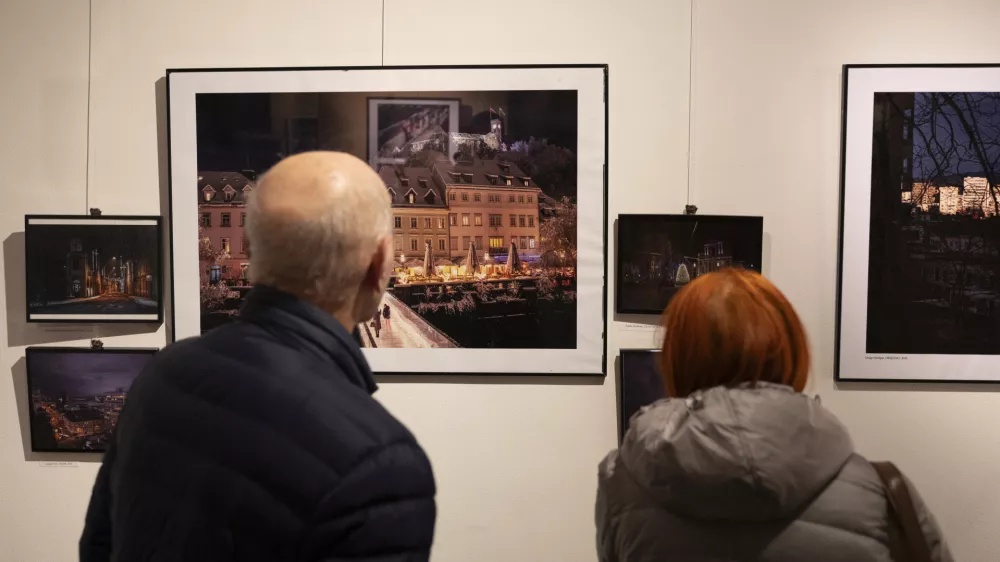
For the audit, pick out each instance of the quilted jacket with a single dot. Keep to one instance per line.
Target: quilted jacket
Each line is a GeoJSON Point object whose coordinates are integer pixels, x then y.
{"type": "Point", "coordinates": [743, 474]}
{"type": "Point", "coordinates": [261, 441]}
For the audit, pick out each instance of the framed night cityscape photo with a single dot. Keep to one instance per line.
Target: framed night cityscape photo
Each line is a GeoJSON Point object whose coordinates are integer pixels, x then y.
{"type": "Point", "coordinates": [489, 171]}
{"type": "Point", "coordinates": [639, 384]}
{"type": "Point", "coordinates": [660, 254]}
{"type": "Point", "coordinates": [93, 269]}
{"type": "Point", "coordinates": [76, 395]}
{"type": "Point", "coordinates": [919, 292]}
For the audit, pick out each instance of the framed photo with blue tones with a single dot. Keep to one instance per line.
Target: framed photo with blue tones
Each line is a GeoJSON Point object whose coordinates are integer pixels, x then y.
{"type": "Point", "coordinates": [75, 395]}
{"type": "Point", "coordinates": [919, 258]}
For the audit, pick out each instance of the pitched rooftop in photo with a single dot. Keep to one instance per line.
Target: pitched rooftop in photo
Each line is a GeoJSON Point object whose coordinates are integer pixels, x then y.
{"type": "Point", "coordinates": [500, 172]}
{"type": "Point", "coordinates": [412, 186]}
{"type": "Point", "coordinates": [223, 188]}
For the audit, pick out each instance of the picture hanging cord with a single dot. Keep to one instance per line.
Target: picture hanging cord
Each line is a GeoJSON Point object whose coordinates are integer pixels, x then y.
{"type": "Point", "coordinates": [90, 42]}
{"type": "Point", "coordinates": [383, 32]}
{"type": "Point", "coordinates": [690, 101]}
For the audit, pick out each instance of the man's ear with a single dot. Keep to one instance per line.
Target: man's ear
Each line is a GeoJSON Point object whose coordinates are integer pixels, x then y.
{"type": "Point", "coordinates": [380, 266]}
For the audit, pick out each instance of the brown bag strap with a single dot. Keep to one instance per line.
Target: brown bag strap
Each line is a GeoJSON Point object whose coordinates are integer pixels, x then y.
{"type": "Point", "coordinates": [909, 544]}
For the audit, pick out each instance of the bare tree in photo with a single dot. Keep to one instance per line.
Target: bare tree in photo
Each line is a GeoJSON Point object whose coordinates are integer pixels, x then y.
{"type": "Point", "coordinates": [558, 235]}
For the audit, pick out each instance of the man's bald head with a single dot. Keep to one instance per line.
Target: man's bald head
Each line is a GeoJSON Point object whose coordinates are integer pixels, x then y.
{"type": "Point", "coordinates": [318, 223]}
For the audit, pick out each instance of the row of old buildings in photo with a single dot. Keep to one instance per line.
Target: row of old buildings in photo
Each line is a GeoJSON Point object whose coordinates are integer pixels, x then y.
{"type": "Point", "coordinates": [951, 264]}
{"type": "Point", "coordinates": [89, 273]}
{"type": "Point", "coordinates": [487, 202]}
{"type": "Point", "coordinates": [973, 196]}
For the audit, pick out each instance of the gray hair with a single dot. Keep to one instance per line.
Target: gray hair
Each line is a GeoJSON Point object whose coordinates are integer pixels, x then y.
{"type": "Point", "coordinates": [323, 253]}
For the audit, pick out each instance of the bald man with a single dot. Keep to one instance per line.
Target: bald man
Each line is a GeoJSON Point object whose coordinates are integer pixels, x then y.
{"type": "Point", "coordinates": [260, 440]}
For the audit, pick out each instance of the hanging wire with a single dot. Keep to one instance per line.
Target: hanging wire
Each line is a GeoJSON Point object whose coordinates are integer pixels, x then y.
{"type": "Point", "coordinates": [90, 58]}
{"type": "Point", "coordinates": [690, 150]}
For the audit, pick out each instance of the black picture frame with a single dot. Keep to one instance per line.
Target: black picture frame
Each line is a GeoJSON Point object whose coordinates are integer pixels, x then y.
{"type": "Point", "coordinates": [756, 223]}
{"type": "Point", "coordinates": [31, 356]}
{"type": "Point", "coordinates": [625, 411]}
{"type": "Point", "coordinates": [175, 72]}
{"type": "Point", "coordinates": [838, 374]}
{"type": "Point", "coordinates": [78, 318]}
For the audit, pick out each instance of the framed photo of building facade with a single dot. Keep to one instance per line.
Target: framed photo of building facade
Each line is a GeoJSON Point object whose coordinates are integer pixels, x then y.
{"type": "Point", "coordinates": [919, 287]}
{"type": "Point", "coordinates": [489, 170]}
{"type": "Point", "coordinates": [93, 269]}
{"type": "Point", "coordinates": [660, 254]}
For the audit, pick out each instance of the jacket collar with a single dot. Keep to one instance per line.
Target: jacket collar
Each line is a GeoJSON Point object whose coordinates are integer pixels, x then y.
{"type": "Point", "coordinates": [302, 325]}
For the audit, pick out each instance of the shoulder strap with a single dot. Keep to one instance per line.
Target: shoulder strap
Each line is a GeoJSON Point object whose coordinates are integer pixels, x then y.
{"type": "Point", "coordinates": [911, 545]}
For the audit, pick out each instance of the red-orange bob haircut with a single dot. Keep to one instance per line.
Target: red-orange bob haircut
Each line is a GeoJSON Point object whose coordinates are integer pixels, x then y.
{"type": "Point", "coordinates": [730, 327]}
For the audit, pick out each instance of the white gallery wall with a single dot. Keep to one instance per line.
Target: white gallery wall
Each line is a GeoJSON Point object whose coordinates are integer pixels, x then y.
{"type": "Point", "coordinates": [766, 140]}
{"type": "Point", "coordinates": [515, 459]}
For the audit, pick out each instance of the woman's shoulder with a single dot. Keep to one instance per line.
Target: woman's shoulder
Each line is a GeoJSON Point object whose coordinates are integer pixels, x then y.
{"type": "Point", "coordinates": [853, 501]}
{"type": "Point", "coordinates": [859, 473]}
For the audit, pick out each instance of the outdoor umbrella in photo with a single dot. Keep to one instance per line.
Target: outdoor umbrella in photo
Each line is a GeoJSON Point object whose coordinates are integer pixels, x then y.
{"type": "Point", "coordinates": [513, 260]}
{"type": "Point", "coordinates": [472, 260]}
{"type": "Point", "coordinates": [428, 262]}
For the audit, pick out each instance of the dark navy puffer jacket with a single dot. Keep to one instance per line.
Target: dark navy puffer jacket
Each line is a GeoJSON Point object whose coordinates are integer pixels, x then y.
{"type": "Point", "coordinates": [261, 441]}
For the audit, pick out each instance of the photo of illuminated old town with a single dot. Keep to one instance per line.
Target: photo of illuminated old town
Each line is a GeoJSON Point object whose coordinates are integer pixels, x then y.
{"type": "Point", "coordinates": [89, 269]}
{"type": "Point", "coordinates": [483, 187]}
{"type": "Point", "coordinates": [660, 254]}
{"type": "Point", "coordinates": [934, 244]}
{"type": "Point", "coordinates": [77, 395]}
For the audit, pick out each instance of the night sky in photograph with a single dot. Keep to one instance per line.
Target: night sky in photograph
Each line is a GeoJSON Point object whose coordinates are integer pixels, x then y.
{"type": "Point", "coordinates": [83, 374]}
{"type": "Point", "coordinates": [684, 236]}
{"type": "Point", "coordinates": [52, 242]}
{"type": "Point", "coordinates": [47, 248]}
{"type": "Point", "coordinates": [236, 131]}
{"type": "Point", "coordinates": [952, 153]}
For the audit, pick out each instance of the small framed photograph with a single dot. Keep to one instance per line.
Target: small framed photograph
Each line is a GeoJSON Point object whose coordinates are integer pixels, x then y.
{"type": "Point", "coordinates": [400, 128]}
{"type": "Point", "coordinates": [76, 395]}
{"type": "Point", "coordinates": [93, 269]}
{"type": "Point", "coordinates": [660, 254]}
{"type": "Point", "coordinates": [639, 384]}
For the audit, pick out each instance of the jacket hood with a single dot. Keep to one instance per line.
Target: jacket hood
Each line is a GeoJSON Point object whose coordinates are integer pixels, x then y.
{"type": "Point", "coordinates": [738, 454]}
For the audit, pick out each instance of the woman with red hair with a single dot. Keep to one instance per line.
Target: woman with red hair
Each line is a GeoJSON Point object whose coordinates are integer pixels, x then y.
{"type": "Point", "coordinates": [738, 465]}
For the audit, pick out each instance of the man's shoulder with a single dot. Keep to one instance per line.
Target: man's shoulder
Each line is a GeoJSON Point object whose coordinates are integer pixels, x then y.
{"type": "Point", "coordinates": [244, 373]}
{"type": "Point", "coordinates": [201, 351]}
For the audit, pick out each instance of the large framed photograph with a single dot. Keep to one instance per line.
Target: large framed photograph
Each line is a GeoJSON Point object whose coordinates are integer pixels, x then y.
{"type": "Point", "coordinates": [93, 269]}
{"type": "Point", "coordinates": [660, 254]}
{"type": "Point", "coordinates": [76, 395]}
{"type": "Point", "coordinates": [400, 128]}
{"type": "Point", "coordinates": [489, 169]}
{"type": "Point", "coordinates": [919, 298]}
